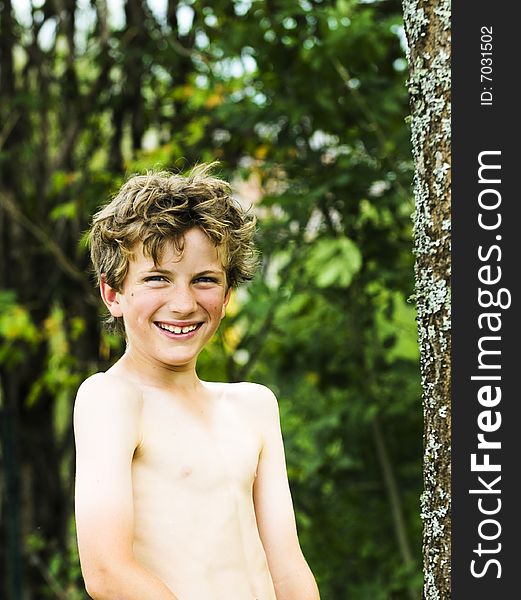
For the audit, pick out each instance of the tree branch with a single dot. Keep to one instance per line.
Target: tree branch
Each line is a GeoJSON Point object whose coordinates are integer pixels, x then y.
{"type": "Point", "coordinates": [69, 268]}
{"type": "Point", "coordinates": [394, 497]}
{"type": "Point", "coordinates": [9, 125]}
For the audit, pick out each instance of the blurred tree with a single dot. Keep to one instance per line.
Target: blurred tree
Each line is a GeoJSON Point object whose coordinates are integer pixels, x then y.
{"type": "Point", "coordinates": [428, 31]}
{"type": "Point", "coordinates": [304, 104]}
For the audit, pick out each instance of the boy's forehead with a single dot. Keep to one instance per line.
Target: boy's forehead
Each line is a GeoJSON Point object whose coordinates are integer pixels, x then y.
{"type": "Point", "coordinates": [194, 246]}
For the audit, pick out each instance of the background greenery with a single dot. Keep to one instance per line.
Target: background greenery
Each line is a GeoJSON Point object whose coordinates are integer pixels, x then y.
{"type": "Point", "coordinates": [304, 103]}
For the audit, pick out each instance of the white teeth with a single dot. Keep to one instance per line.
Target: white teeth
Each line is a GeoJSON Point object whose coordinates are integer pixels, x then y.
{"type": "Point", "coordinates": [174, 329]}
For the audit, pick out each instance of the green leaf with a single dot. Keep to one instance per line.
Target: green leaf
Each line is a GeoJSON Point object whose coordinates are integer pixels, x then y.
{"type": "Point", "coordinates": [67, 210]}
{"type": "Point", "coordinates": [15, 321]}
{"type": "Point", "coordinates": [334, 262]}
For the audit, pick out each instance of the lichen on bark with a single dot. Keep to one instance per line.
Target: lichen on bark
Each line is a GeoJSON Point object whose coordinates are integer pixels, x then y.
{"type": "Point", "coordinates": [427, 27]}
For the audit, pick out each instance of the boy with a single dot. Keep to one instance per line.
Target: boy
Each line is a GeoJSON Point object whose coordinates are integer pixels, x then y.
{"type": "Point", "coordinates": [181, 486]}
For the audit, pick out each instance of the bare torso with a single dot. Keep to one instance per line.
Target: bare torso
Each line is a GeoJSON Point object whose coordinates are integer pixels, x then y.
{"type": "Point", "coordinates": [193, 476]}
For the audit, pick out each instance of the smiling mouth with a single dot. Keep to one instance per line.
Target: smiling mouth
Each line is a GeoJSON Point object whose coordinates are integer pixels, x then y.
{"type": "Point", "coordinates": [176, 330]}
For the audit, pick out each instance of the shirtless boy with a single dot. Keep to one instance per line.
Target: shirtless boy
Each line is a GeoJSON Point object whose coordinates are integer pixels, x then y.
{"type": "Point", "coordinates": [181, 485]}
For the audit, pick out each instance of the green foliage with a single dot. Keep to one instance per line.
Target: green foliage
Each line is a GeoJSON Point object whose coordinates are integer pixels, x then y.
{"type": "Point", "coordinates": [18, 334]}
{"type": "Point", "coordinates": [61, 376]}
{"type": "Point", "coordinates": [61, 571]}
{"type": "Point", "coordinates": [304, 105]}
{"type": "Point", "coordinates": [333, 262]}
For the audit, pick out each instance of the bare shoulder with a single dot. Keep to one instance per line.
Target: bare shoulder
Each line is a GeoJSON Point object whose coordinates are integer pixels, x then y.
{"type": "Point", "coordinates": [105, 394]}
{"type": "Point", "coordinates": [106, 385]}
{"type": "Point", "coordinates": [258, 399]}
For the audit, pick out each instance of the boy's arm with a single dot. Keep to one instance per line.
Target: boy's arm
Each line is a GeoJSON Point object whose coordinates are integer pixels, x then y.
{"type": "Point", "coordinates": [107, 433]}
{"type": "Point", "coordinates": [292, 577]}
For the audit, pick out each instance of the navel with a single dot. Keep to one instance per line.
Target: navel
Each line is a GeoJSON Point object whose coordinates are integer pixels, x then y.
{"type": "Point", "coordinates": [185, 472]}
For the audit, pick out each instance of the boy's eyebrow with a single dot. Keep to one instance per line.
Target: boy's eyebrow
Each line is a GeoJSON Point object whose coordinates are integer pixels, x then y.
{"type": "Point", "coordinates": [211, 272]}
{"type": "Point", "coordinates": [154, 269]}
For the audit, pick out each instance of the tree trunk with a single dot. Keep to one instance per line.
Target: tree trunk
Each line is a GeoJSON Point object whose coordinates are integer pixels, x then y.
{"type": "Point", "coordinates": [427, 25]}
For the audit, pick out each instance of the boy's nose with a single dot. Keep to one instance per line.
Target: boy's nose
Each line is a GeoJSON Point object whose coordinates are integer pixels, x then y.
{"type": "Point", "coordinates": [182, 300]}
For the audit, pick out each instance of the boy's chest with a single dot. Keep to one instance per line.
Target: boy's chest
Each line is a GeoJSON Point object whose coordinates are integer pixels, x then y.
{"type": "Point", "coordinates": [200, 452]}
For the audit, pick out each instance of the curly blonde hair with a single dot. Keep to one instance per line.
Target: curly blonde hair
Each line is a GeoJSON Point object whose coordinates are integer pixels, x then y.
{"type": "Point", "coordinates": [161, 206]}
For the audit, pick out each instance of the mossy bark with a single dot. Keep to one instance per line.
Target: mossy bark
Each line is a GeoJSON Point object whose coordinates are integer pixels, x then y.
{"type": "Point", "coordinates": [427, 25]}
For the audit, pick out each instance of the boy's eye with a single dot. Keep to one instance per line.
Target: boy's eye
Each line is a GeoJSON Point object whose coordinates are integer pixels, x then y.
{"type": "Point", "coordinates": [206, 279]}
{"type": "Point", "coordinates": [155, 278]}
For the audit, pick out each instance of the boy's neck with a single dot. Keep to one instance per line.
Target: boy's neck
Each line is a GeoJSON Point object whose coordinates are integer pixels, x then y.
{"type": "Point", "coordinates": [183, 378]}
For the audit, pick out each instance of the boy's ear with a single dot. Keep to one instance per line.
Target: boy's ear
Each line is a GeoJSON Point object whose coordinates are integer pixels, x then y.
{"type": "Point", "coordinates": [226, 300]}
{"type": "Point", "coordinates": [110, 297]}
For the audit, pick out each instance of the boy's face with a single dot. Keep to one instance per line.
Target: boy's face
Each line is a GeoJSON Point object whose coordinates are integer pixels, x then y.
{"type": "Point", "coordinates": [173, 308]}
